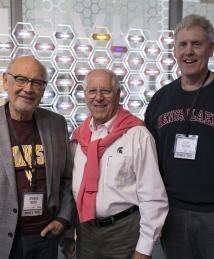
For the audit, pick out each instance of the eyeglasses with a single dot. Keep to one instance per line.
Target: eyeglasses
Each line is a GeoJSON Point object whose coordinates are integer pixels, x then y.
{"type": "Point", "coordinates": [23, 81]}
{"type": "Point", "coordinates": [91, 93]}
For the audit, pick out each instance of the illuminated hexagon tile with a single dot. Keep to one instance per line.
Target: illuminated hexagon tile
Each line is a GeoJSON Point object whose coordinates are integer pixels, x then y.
{"type": "Point", "coordinates": [134, 82]}
{"type": "Point", "coordinates": [151, 50]}
{"type": "Point", "coordinates": [165, 79]}
{"type": "Point", "coordinates": [123, 94]}
{"type": "Point", "coordinates": [167, 62]}
{"type": "Point", "coordinates": [78, 94]}
{"type": "Point", "coordinates": [82, 48]}
{"type": "Point", "coordinates": [23, 51]}
{"type": "Point", "coordinates": [134, 103]}
{"type": "Point", "coordinates": [49, 95]}
{"type": "Point", "coordinates": [135, 60]}
{"type": "Point", "coordinates": [119, 69]}
{"type": "Point", "coordinates": [211, 59]}
{"type": "Point", "coordinates": [135, 39]}
{"type": "Point", "coordinates": [44, 47]}
{"type": "Point", "coordinates": [64, 105]}
{"type": "Point", "coordinates": [151, 72]}
{"type": "Point", "coordinates": [7, 46]}
{"type": "Point", "coordinates": [100, 59]}
{"type": "Point", "coordinates": [148, 91]}
{"type": "Point", "coordinates": [51, 69]}
{"type": "Point", "coordinates": [80, 114]}
{"type": "Point", "coordinates": [64, 35]}
{"type": "Point", "coordinates": [143, 111]}
{"type": "Point", "coordinates": [211, 66]}
{"type": "Point", "coordinates": [101, 37]}
{"type": "Point", "coordinates": [118, 51]}
{"type": "Point", "coordinates": [23, 34]}
{"type": "Point", "coordinates": [64, 82]}
{"type": "Point", "coordinates": [177, 72]}
{"type": "Point", "coordinates": [4, 62]}
{"type": "Point", "coordinates": [70, 126]}
{"type": "Point", "coordinates": [166, 40]}
{"type": "Point", "coordinates": [64, 59]}
{"type": "Point", "coordinates": [81, 69]}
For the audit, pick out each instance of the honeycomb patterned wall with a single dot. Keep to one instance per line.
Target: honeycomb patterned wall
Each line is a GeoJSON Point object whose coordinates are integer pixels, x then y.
{"type": "Point", "coordinates": [142, 65]}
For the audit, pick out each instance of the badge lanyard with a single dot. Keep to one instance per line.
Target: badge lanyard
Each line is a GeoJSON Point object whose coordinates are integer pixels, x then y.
{"type": "Point", "coordinates": [32, 168]}
{"type": "Point", "coordinates": [188, 116]}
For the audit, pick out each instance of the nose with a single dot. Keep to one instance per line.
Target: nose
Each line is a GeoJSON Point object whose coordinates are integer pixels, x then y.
{"type": "Point", "coordinates": [99, 96]}
{"type": "Point", "coordinates": [28, 87]}
{"type": "Point", "coordinates": [189, 49]}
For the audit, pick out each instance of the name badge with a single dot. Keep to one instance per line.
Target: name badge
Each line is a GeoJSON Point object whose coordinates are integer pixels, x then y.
{"type": "Point", "coordinates": [185, 146]}
{"type": "Point", "coordinates": [32, 204]}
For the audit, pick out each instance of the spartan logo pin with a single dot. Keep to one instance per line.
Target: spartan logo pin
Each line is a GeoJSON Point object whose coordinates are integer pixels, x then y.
{"type": "Point", "coordinates": [120, 150]}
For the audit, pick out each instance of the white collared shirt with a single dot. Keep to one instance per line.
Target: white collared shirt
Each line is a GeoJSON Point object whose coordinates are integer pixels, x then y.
{"type": "Point", "coordinates": [129, 175]}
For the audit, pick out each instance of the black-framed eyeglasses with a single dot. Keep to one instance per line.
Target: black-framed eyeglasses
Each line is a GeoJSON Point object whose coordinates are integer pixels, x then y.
{"type": "Point", "coordinates": [23, 81]}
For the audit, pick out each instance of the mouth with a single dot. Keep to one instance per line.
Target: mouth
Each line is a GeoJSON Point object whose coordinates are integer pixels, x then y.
{"type": "Point", "coordinates": [189, 61]}
{"type": "Point", "coordinates": [99, 106]}
{"type": "Point", "coordinates": [27, 98]}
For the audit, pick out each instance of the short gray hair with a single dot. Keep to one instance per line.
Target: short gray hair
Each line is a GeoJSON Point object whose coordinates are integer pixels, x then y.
{"type": "Point", "coordinates": [114, 79]}
{"type": "Point", "coordinates": [196, 20]}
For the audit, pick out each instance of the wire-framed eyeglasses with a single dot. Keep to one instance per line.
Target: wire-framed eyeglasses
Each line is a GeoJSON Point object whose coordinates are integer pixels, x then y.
{"type": "Point", "coordinates": [105, 92]}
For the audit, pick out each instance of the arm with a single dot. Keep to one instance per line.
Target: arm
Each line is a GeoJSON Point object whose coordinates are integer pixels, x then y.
{"type": "Point", "coordinates": [153, 202]}
{"type": "Point", "coordinates": [67, 204]}
{"type": "Point", "coordinates": [137, 255]}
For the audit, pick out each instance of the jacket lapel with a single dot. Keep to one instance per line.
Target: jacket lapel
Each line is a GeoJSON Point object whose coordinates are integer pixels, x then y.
{"type": "Point", "coordinates": [5, 150]}
{"type": "Point", "coordinates": [47, 142]}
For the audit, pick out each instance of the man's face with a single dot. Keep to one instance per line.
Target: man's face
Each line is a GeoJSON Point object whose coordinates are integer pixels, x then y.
{"type": "Point", "coordinates": [23, 99]}
{"type": "Point", "coordinates": [192, 51]}
{"type": "Point", "coordinates": [101, 97]}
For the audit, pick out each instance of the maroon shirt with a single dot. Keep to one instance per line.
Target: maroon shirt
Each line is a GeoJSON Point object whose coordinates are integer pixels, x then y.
{"type": "Point", "coordinates": [24, 131]}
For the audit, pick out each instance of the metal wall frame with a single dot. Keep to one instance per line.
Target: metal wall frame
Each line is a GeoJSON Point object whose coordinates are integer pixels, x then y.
{"type": "Point", "coordinates": [175, 12]}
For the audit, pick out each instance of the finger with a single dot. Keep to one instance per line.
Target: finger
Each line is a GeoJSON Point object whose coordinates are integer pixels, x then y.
{"type": "Point", "coordinates": [45, 231]}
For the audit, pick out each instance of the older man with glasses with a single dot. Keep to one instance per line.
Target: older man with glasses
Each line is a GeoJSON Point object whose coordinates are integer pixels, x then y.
{"type": "Point", "coordinates": [35, 167]}
{"type": "Point", "coordinates": [120, 197]}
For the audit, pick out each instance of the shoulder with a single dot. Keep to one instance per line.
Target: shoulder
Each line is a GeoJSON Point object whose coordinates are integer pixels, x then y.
{"type": "Point", "coordinates": [49, 115]}
{"type": "Point", "coordinates": [167, 89]}
{"type": "Point", "coordinates": [163, 95]}
{"type": "Point", "coordinates": [138, 132]}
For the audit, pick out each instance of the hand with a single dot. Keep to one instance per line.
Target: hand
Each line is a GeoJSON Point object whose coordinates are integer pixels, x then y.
{"type": "Point", "coordinates": [55, 227]}
{"type": "Point", "coordinates": [138, 255]}
{"type": "Point", "coordinates": [68, 247]}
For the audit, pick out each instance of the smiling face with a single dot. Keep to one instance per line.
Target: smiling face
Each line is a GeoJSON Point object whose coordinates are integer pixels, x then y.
{"type": "Point", "coordinates": [103, 105]}
{"type": "Point", "coordinates": [192, 51]}
{"type": "Point", "coordinates": [23, 100]}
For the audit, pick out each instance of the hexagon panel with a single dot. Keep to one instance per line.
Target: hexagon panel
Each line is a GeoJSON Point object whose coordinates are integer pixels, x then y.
{"type": "Point", "coordinates": [7, 46]}
{"type": "Point", "coordinates": [64, 82]}
{"type": "Point", "coordinates": [135, 38]}
{"type": "Point", "coordinates": [64, 35]}
{"type": "Point", "coordinates": [24, 34]}
{"type": "Point", "coordinates": [44, 47]}
{"type": "Point", "coordinates": [100, 59]}
{"type": "Point", "coordinates": [64, 59]}
{"type": "Point", "coordinates": [82, 48]}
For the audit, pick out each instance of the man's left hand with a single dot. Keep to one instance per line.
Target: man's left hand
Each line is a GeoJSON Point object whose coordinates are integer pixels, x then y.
{"type": "Point", "coordinates": [55, 227]}
{"type": "Point", "coordinates": [137, 255]}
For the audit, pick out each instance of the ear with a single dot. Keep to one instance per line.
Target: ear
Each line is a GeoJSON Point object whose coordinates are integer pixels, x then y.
{"type": "Point", "coordinates": [174, 52]}
{"type": "Point", "coordinates": [5, 81]}
{"type": "Point", "coordinates": [211, 49]}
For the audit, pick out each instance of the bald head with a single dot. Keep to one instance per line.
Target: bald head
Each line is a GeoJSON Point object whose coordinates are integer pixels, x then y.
{"type": "Point", "coordinates": [25, 81]}
{"type": "Point", "coordinates": [28, 61]}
